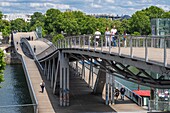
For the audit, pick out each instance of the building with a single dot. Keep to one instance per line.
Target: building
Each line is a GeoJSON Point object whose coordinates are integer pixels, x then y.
{"type": "Point", "coordinates": [9, 17]}
{"type": "Point", "coordinates": [110, 16]}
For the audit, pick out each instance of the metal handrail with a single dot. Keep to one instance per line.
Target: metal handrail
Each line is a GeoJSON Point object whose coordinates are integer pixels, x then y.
{"type": "Point", "coordinates": [29, 83]}
{"type": "Point", "coordinates": [129, 93]}
{"type": "Point", "coordinates": [132, 42]}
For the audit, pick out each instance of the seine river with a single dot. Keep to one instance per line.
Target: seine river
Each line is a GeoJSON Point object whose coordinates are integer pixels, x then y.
{"type": "Point", "coordinates": [14, 91]}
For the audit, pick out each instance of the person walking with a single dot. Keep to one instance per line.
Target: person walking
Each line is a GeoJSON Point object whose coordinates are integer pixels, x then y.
{"type": "Point", "coordinates": [122, 91]}
{"type": "Point", "coordinates": [97, 36]}
{"type": "Point", "coordinates": [107, 37]}
{"type": "Point", "coordinates": [113, 32]}
{"type": "Point", "coordinates": [124, 39]}
{"type": "Point", "coordinates": [116, 93]}
{"type": "Point", "coordinates": [42, 85]}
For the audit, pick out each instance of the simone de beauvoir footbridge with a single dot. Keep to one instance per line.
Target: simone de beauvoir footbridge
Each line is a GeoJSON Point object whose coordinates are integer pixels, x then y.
{"type": "Point", "coordinates": [144, 60]}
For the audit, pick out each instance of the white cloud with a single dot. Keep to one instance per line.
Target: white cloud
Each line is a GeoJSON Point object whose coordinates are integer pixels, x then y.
{"type": "Point", "coordinates": [129, 3]}
{"type": "Point", "coordinates": [4, 4]}
{"type": "Point", "coordinates": [110, 1]}
{"type": "Point", "coordinates": [96, 6]}
{"type": "Point", "coordinates": [50, 5]}
{"type": "Point", "coordinates": [164, 7]}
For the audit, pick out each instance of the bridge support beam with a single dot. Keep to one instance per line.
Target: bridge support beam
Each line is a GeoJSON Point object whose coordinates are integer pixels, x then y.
{"type": "Point", "coordinates": [64, 80]}
{"type": "Point", "coordinates": [53, 73]}
{"type": "Point", "coordinates": [109, 89]}
{"type": "Point", "coordinates": [45, 68]}
{"type": "Point", "coordinates": [49, 70]}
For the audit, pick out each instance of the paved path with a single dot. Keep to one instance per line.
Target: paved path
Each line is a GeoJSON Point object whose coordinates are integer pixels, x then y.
{"type": "Point", "coordinates": [44, 104]}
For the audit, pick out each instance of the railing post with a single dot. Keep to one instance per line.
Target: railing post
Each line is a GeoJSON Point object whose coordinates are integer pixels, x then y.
{"type": "Point", "coordinates": [152, 41]}
{"type": "Point", "coordinates": [68, 40]}
{"type": "Point", "coordinates": [165, 57]}
{"type": "Point", "coordinates": [119, 52]}
{"type": "Point", "coordinates": [131, 48]}
{"type": "Point", "coordinates": [89, 42]}
{"type": "Point", "coordinates": [65, 43]}
{"type": "Point", "coordinates": [146, 49]}
{"type": "Point", "coordinates": [79, 42]}
{"type": "Point", "coordinates": [143, 42]}
{"type": "Point", "coordinates": [95, 43]}
{"type": "Point", "coordinates": [83, 41]}
{"type": "Point", "coordinates": [101, 44]}
{"type": "Point", "coordinates": [109, 45]}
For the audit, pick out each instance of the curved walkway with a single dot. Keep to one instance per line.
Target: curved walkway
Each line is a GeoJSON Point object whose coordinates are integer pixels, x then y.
{"type": "Point", "coordinates": [44, 104]}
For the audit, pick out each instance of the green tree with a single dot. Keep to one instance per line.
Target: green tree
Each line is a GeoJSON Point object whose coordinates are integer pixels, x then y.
{"type": "Point", "coordinates": [37, 16]}
{"type": "Point", "coordinates": [2, 66]}
{"type": "Point", "coordinates": [19, 25]}
{"type": "Point", "coordinates": [56, 38]}
{"type": "Point", "coordinates": [153, 12]}
{"type": "Point", "coordinates": [1, 15]}
{"type": "Point", "coordinates": [166, 15]}
{"type": "Point", "coordinates": [139, 22]}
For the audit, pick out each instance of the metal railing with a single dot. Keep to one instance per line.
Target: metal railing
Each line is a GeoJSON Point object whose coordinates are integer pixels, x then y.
{"type": "Point", "coordinates": [129, 93]}
{"type": "Point", "coordinates": [23, 108]}
{"type": "Point", "coordinates": [139, 47]}
{"type": "Point", "coordinates": [154, 105]}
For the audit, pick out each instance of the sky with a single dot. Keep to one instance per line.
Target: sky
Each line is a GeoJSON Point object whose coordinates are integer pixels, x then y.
{"type": "Point", "coordinates": [115, 7]}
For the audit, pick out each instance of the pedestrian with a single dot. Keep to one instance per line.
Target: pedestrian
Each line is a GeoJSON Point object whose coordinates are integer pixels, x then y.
{"type": "Point", "coordinates": [124, 39]}
{"type": "Point", "coordinates": [107, 37]}
{"type": "Point", "coordinates": [113, 32]}
{"type": "Point", "coordinates": [122, 91]}
{"type": "Point", "coordinates": [116, 93]}
{"type": "Point", "coordinates": [97, 36]}
{"type": "Point", "coordinates": [34, 49]}
{"type": "Point", "coordinates": [42, 85]}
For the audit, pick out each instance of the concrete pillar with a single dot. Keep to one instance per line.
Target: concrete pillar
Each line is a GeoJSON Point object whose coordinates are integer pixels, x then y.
{"type": "Point", "coordinates": [83, 70]}
{"type": "Point", "coordinates": [56, 73]}
{"type": "Point", "coordinates": [49, 68]}
{"type": "Point", "coordinates": [112, 90]}
{"type": "Point", "coordinates": [107, 89]}
{"type": "Point", "coordinates": [64, 80]}
{"type": "Point", "coordinates": [53, 72]}
{"type": "Point", "coordinates": [67, 88]}
{"type": "Point", "coordinates": [45, 68]}
{"type": "Point", "coordinates": [90, 72]}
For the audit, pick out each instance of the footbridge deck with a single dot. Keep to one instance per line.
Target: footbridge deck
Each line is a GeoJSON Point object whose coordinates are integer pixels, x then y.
{"type": "Point", "coordinates": [42, 101]}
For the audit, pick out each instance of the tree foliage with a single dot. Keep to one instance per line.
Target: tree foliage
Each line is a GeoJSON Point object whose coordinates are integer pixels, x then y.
{"type": "Point", "coordinates": [19, 25]}
{"type": "Point", "coordinates": [2, 66]}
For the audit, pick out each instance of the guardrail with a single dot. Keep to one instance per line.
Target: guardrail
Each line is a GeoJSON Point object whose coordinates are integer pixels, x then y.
{"type": "Point", "coordinates": [143, 44]}
{"type": "Point", "coordinates": [32, 93]}
{"type": "Point", "coordinates": [154, 105]}
{"type": "Point", "coordinates": [129, 93]}
{"type": "Point", "coordinates": [15, 108]}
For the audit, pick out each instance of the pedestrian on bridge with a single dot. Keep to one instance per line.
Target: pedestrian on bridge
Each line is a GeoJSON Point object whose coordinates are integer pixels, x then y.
{"type": "Point", "coordinates": [42, 85]}
{"type": "Point", "coordinates": [122, 91]}
{"type": "Point", "coordinates": [116, 93]}
{"type": "Point", "coordinates": [97, 37]}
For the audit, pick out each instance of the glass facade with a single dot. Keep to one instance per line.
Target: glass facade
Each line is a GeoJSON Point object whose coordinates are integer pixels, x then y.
{"type": "Point", "coordinates": [160, 26]}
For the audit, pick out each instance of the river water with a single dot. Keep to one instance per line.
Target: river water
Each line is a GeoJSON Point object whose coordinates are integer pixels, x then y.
{"type": "Point", "coordinates": [14, 91]}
